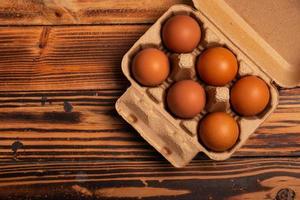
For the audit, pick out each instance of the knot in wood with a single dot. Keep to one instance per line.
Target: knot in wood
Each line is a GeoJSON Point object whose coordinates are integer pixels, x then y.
{"type": "Point", "coordinates": [16, 145]}
{"type": "Point", "coordinates": [68, 106]}
{"type": "Point", "coordinates": [285, 194]}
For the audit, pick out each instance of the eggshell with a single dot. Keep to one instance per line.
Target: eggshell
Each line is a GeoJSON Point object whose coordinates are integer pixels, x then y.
{"type": "Point", "coordinates": [150, 67]}
{"type": "Point", "coordinates": [218, 131]}
{"type": "Point", "coordinates": [186, 99]}
{"type": "Point", "coordinates": [249, 96]}
{"type": "Point", "coordinates": [181, 34]}
{"type": "Point", "coordinates": [217, 66]}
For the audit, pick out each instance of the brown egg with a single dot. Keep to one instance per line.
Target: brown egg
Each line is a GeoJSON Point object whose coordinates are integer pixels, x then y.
{"type": "Point", "coordinates": [186, 99]}
{"type": "Point", "coordinates": [218, 131]}
{"type": "Point", "coordinates": [217, 66]}
{"type": "Point", "coordinates": [150, 67]}
{"type": "Point", "coordinates": [249, 96]}
{"type": "Point", "coordinates": [181, 34]}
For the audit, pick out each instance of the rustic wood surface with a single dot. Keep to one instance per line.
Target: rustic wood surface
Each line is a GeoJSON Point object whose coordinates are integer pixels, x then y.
{"type": "Point", "coordinates": [60, 137]}
{"type": "Point", "coordinates": [57, 12]}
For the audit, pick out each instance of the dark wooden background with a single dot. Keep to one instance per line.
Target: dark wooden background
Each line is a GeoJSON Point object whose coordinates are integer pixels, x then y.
{"type": "Point", "coordinates": [61, 138]}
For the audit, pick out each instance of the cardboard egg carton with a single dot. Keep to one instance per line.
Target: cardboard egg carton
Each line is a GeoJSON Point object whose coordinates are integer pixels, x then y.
{"type": "Point", "coordinates": [145, 107]}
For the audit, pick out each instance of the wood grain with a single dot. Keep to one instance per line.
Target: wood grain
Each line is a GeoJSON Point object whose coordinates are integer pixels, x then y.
{"type": "Point", "coordinates": [93, 130]}
{"type": "Point", "coordinates": [61, 138]}
{"type": "Point", "coordinates": [232, 179]}
{"type": "Point", "coordinates": [56, 12]}
{"type": "Point", "coordinates": [64, 58]}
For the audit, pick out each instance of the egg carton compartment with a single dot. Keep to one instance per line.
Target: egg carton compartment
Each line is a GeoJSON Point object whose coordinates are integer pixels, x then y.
{"type": "Point", "coordinates": [145, 107]}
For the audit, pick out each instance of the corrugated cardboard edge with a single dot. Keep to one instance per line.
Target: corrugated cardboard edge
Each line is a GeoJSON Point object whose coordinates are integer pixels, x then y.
{"type": "Point", "coordinates": [249, 41]}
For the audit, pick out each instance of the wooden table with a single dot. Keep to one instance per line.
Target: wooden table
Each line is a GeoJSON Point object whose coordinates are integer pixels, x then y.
{"type": "Point", "coordinates": [61, 138]}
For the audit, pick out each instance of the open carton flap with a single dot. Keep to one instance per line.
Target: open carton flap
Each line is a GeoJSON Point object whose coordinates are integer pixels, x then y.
{"type": "Point", "coordinates": [279, 61]}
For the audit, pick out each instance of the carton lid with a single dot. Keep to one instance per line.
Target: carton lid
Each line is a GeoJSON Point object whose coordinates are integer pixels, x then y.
{"type": "Point", "coordinates": [268, 32]}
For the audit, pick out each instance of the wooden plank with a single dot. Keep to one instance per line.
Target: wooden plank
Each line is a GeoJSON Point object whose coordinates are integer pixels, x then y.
{"type": "Point", "coordinates": [93, 130]}
{"type": "Point", "coordinates": [60, 58]}
{"type": "Point", "coordinates": [54, 12]}
{"type": "Point", "coordinates": [233, 179]}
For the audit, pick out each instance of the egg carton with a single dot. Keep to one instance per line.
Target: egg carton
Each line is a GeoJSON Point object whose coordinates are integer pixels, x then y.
{"type": "Point", "coordinates": [145, 107]}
